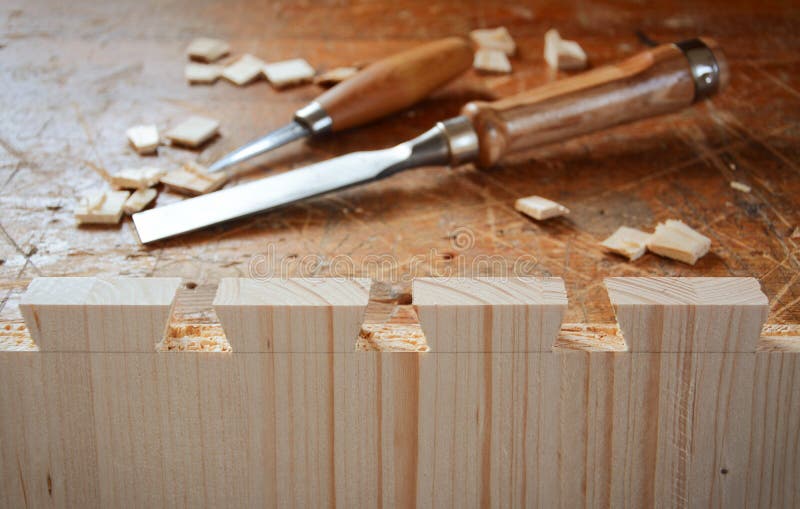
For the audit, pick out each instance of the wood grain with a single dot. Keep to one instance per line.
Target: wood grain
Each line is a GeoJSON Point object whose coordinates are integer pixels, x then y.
{"type": "Point", "coordinates": [74, 81]}
{"type": "Point", "coordinates": [490, 314]}
{"type": "Point", "coordinates": [98, 314]}
{"type": "Point", "coordinates": [396, 82]}
{"type": "Point", "coordinates": [292, 315]}
{"type": "Point", "coordinates": [651, 83]}
{"type": "Point", "coordinates": [560, 428]}
{"type": "Point", "coordinates": [689, 314]}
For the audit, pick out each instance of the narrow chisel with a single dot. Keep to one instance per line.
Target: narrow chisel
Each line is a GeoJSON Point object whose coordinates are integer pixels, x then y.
{"type": "Point", "coordinates": [387, 86]}
{"type": "Point", "coordinates": [657, 81]}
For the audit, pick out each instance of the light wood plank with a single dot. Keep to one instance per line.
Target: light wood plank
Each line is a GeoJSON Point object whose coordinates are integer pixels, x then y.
{"type": "Point", "coordinates": [66, 314]}
{"type": "Point", "coordinates": [490, 314]}
{"type": "Point", "coordinates": [689, 314]}
{"type": "Point", "coordinates": [292, 315]}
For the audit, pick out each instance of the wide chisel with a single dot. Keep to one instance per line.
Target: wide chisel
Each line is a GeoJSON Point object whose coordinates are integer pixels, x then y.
{"type": "Point", "coordinates": [661, 80]}
{"type": "Point", "coordinates": [384, 87]}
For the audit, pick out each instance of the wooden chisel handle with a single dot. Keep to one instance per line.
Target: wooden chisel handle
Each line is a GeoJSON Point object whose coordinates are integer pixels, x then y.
{"type": "Point", "coordinates": [661, 80]}
{"type": "Point", "coordinates": [396, 82]}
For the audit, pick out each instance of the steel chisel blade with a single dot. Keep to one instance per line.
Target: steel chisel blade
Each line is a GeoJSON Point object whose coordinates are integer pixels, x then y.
{"type": "Point", "coordinates": [268, 193]}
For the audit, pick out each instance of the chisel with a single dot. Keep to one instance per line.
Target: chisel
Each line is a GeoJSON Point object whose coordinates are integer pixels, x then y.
{"type": "Point", "coordinates": [384, 87]}
{"type": "Point", "coordinates": [660, 80]}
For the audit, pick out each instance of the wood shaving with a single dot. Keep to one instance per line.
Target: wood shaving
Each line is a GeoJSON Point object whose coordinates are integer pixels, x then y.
{"type": "Point", "coordinates": [391, 338]}
{"type": "Point", "coordinates": [194, 338]}
{"type": "Point", "coordinates": [244, 70]}
{"type": "Point", "coordinates": [288, 72]}
{"type": "Point", "coordinates": [741, 186]}
{"type": "Point", "coordinates": [206, 49]}
{"type": "Point", "coordinates": [205, 74]}
{"type": "Point", "coordinates": [796, 233]}
{"type": "Point", "coordinates": [193, 132]}
{"type": "Point", "coordinates": [140, 199]}
{"type": "Point", "coordinates": [103, 207]}
{"type": "Point", "coordinates": [540, 208]}
{"type": "Point", "coordinates": [193, 179]}
{"type": "Point", "coordinates": [137, 178]}
{"type": "Point", "coordinates": [674, 239]}
{"type": "Point", "coordinates": [628, 242]}
{"type": "Point", "coordinates": [16, 338]}
{"type": "Point", "coordinates": [335, 76]}
{"type": "Point", "coordinates": [143, 138]}
{"type": "Point", "coordinates": [491, 60]}
{"type": "Point", "coordinates": [494, 38]}
{"type": "Point", "coordinates": [562, 54]}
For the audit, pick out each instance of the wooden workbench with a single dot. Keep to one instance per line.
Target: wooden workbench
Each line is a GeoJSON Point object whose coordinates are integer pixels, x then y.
{"type": "Point", "coordinates": [76, 75]}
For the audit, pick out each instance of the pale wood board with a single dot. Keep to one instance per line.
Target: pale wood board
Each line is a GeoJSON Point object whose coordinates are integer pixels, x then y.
{"type": "Point", "coordinates": [294, 315]}
{"type": "Point", "coordinates": [555, 428]}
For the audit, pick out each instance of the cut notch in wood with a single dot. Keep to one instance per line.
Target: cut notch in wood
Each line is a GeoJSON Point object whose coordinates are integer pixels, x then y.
{"type": "Point", "coordinates": [703, 314]}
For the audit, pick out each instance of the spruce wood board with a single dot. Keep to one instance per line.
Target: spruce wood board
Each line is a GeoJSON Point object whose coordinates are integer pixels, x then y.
{"type": "Point", "coordinates": [76, 80]}
{"type": "Point", "coordinates": [693, 411]}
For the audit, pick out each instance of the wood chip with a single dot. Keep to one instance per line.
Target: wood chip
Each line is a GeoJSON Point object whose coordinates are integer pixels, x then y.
{"type": "Point", "coordinates": [540, 208]}
{"type": "Point", "coordinates": [562, 54]}
{"type": "Point", "coordinates": [674, 239]}
{"type": "Point", "coordinates": [741, 186]}
{"type": "Point", "coordinates": [137, 178]}
{"type": "Point", "coordinates": [206, 49]}
{"type": "Point", "coordinates": [202, 73]}
{"type": "Point", "coordinates": [335, 76]}
{"type": "Point", "coordinates": [289, 72]}
{"type": "Point", "coordinates": [494, 38]}
{"type": "Point", "coordinates": [491, 60]}
{"type": "Point", "coordinates": [101, 207]}
{"type": "Point", "coordinates": [796, 233]}
{"type": "Point", "coordinates": [244, 70]}
{"type": "Point", "coordinates": [193, 132]}
{"type": "Point", "coordinates": [193, 179]}
{"type": "Point", "coordinates": [140, 199]}
{"type": "Point", "coordinates": [628, 242]}
{"type": "Point", "coordinates": [143, 138]}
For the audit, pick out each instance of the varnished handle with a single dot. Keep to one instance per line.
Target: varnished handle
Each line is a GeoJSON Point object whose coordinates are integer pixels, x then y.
{"type": "Point", "coordinates": [661, 80]}
{"type": "Point", "coordinates": [396, 82]}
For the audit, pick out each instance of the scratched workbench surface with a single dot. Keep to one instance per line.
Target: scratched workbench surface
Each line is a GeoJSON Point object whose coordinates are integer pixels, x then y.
{"type": "Point", "coordinates": [75, 75]}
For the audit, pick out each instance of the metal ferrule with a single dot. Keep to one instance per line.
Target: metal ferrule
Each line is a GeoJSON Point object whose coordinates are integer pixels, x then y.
{"type": "Point", "coordinates": [314, 117]}
{"type": "Point", "coordinates": [704, 67]}
{"type": "Point", "coordinates": [462, 140]}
